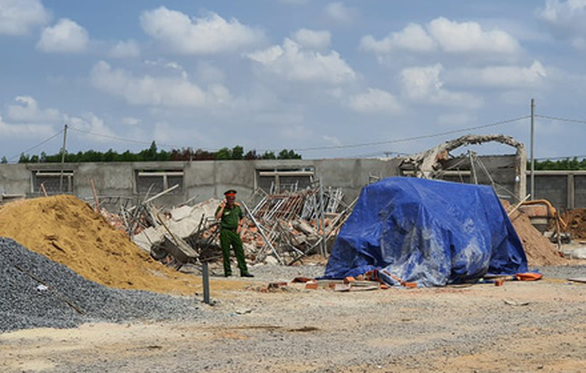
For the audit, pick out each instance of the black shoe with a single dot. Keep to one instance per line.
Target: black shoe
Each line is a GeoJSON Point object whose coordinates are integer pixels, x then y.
{"type": "Point", "coordinates": [227, 275]}
{"type": "Point", "coordinates": [246, 275]}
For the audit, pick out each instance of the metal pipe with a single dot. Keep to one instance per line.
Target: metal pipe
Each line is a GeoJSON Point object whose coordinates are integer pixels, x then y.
{"type": "Point", "coordinates": [260, 230]}
{"type": "Point", "coordinates": [205, 275]}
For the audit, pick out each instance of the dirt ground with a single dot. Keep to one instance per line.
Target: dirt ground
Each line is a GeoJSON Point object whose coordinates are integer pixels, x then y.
{"type": "Point", "coordinates": [519, 327]}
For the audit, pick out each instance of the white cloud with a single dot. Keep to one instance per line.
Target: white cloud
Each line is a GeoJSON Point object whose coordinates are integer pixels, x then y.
{"type": "Point", "coordinates": [209, 74]}
{"type": "Point", "coordinates": [375, 101]}
{"type": "Point", "coordinates": [28, 111]}
{"type": "Point", "coordinates": [332, 140]}
{"type": "Point", "coordinates": [89, 122]}
{"type": "Point", "coordinates": [130, 121]}
{"type": "Point", "coordinates": [501, 76]}
{"type": "Point", "coordinates": [449, 36]}
{"type": "Point", "coordinates": [470, 37]}
{"type": "Point", "coordinates": [155, 91]}
{"type": "Point", "coordinates": [296, 132]}
{"type": "Point", "coordinates": [9, 130]}
{"type": "Point", "coordinates": [413, 37]}
{"type": "Point", "coordinates": [125, 49]}
{"type": "Point", "coordinates": [18, 17]}
{"type": "Point", "coordinates": [457, 119]}
{"type": "Point", "coordinates": [312, 38]}
{"type": "Point", "coordinates": [166, 134]}
{"type": "Point", "coordinates": [423, 84]}
{"type": "Point", "coordinates": [290, 61]}
{"type": "Point", "coordinates": [169, 65]}
{"type": "Point", "coordinates": [208, 35]}
{"type": "Point", "coordinates": [565, 19]}
{"type": "Point", "coordinates": [65, 37]}
{"type": "Point", "coordinates": [340, 12]}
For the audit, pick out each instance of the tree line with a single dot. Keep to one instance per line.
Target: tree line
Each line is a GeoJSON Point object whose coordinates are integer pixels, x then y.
{"type": "Point", "coordinates": [153, 154]}
{"type": "Point", "coordinates": [565, 164]}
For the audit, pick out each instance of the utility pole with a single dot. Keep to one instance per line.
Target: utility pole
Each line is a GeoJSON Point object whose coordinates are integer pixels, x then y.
{"type": "Point", "coordinates": [63, 158]}
{"type": "Point", "coordinates": [532, 147]}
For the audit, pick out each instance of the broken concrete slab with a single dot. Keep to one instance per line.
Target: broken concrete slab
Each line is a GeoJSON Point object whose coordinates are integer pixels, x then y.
{"type": "Point", "coordinates": [579, 253]}
{"type": "Point", "coordinates": [181, 212]}
{"type": "Point", "coordinates": [148, 237]}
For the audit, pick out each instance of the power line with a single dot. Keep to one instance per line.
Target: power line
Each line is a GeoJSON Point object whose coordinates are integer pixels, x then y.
{"type": "Point", "coordinates": [378, 154]}
{"type": "Point", "coordinates": [36, 146]}
{"type": "Point", "coordinates": [349, 146]}
{"type": "Point", "coordinates": [125, 139]}
{"type": "Point", "coordinates": [415, 137]}
{"type": "Point", "coordinates": [561, 119]}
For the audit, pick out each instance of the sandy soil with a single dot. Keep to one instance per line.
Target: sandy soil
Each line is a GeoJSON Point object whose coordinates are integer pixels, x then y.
{"type": "Point", "coordinates": [454, 329]}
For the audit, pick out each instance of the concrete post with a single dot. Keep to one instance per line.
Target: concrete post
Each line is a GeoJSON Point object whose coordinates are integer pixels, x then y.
{"type": "Point", "coordinates": [571, 191]}
{"type": "Point", "coordinates": [521, 173]}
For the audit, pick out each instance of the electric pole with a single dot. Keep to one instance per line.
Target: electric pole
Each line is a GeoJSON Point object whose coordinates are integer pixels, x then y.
{"type": "Point", "coordinates": [63, 158]}
{"type": "Point", "coordinates": [532, 148]}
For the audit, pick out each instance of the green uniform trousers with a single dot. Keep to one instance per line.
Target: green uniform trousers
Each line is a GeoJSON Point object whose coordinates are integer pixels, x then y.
{"type": "Point", "coordinates": [232, 238]}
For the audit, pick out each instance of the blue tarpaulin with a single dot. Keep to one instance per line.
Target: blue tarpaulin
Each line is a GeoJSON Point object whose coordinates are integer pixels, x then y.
{"type": "Point", "coordinates": [429, 232]}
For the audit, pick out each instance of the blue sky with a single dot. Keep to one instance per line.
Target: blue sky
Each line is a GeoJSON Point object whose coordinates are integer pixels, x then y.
{"type": "Point", "coordinates": [327, 78]}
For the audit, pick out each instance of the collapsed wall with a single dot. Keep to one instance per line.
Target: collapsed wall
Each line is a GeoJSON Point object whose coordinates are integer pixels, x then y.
{"type": "Point", "coordinates": [68, 231]}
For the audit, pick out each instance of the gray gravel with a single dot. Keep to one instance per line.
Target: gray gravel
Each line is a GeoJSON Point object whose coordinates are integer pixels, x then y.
{"type": "Point", "coordinates": [563, 272]}
{"type": "Point", "coordinates": [24, 303]}
{"type": "Point", "coordinates": [276, 273]}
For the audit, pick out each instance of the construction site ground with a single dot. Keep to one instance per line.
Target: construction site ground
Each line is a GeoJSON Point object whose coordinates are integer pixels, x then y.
{"type": "Point", "coordinates": [519, 327]}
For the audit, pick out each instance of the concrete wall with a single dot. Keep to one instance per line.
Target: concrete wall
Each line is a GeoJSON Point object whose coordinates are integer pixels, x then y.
{"type": "Point", "coordinates": [201, 179]}
{"type": "Point", "coordinates": [503, 171]}
{"type": "Point", "coordinates": [205, 179]}
{"type": "Point", "coordinates": [564, 189]}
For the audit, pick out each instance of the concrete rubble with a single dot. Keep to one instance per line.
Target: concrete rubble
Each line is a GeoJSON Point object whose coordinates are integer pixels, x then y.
{"type": "Point", "coordinates": [279, 228]}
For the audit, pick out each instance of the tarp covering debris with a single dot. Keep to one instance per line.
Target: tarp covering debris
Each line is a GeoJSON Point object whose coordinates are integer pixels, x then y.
{"type": "Point", "coordinates": [429, 232]}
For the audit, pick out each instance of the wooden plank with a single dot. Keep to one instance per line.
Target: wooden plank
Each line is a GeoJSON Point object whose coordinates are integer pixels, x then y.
{"type": "Point", "coordinates": [578, 279]}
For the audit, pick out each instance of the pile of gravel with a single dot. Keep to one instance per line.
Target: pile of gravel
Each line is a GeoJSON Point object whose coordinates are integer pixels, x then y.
{"type": "Point", "coordinates": [37, 292]}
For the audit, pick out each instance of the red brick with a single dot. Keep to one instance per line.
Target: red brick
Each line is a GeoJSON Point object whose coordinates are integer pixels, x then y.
{"type": "Point", "coordinates": [311, 285]}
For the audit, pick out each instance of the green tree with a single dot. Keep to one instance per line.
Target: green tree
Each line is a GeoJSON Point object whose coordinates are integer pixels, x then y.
{"type": "Point", "coordinates": [24, 158]}
{"type": "Point", "coordinates": [4, 160]}
{"type": "Point", "coordinates": [223, 154]}
{"type": "Point", "coordinates": [237, 152]}
{"type": "Point", "coordinates": [288, 154]}
{"type": "Point", "coordinates": [268, 155]}
{"type": "Point", "coordinates": [251, 155]}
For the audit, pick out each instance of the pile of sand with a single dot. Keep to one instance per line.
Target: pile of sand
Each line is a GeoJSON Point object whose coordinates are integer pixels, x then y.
{"type": "Point", "coordinates": [576, 223]}
{"type": "Point", "coordinates": [539, 249]}
{"type": "Point", "coordinates": [68, 231]}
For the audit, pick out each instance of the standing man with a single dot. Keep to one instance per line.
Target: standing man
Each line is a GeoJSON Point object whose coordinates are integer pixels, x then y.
{"type": "Point", "coordinates": [230, 215]}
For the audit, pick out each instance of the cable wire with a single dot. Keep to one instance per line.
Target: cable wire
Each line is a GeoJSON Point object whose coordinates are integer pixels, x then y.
{"type": "Point", "coordinates": [36, 146]}
{"type": "Point", "coordinates": [560, 119]}
{"type": "Point", "coordinates": [125, 139]}
{"type": "Point", "coordinates": [349, 146]}
{"type": "Point", "coordinates": [415, 137]}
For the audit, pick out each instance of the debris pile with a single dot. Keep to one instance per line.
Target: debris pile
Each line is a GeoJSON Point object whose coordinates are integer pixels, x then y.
{"type": "Point", "coordinates": [576, 223]}
{"type": "Point", "coordinates": [37, 292]}
{"type": "Point", "coordinates": [279, 229]}
{"type": "Point", "coordinates": [68, 231]}
{"type": "Point", "coordinates": [284, 228]}
{"type": "Point", "coordinates": [538, 248]}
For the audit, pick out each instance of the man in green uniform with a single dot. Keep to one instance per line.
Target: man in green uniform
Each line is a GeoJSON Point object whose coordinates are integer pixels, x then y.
{"type": "Point", "coordinates": [230, 215]}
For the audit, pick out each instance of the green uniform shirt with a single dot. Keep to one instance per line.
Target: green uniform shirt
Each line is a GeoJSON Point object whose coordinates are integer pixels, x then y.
{"type": "Point", "coordinates": [230, 217]}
